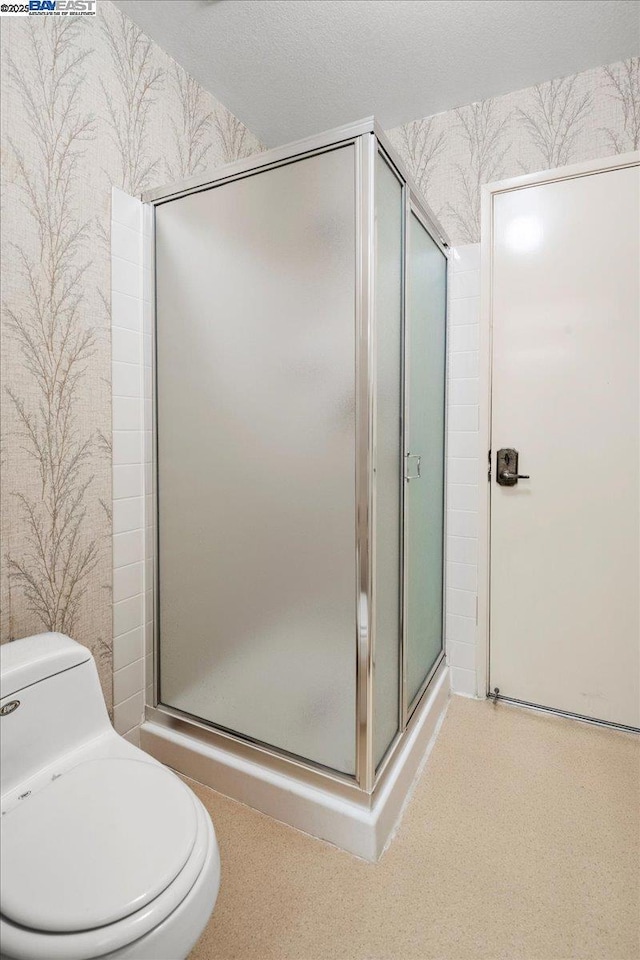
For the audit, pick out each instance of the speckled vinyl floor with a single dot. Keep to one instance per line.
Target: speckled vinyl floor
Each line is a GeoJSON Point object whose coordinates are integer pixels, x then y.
{"type": "Point", "coordinates": [521, 841]}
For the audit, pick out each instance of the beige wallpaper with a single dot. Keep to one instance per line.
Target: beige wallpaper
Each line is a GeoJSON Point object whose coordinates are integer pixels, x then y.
{"type": "Point", "coordinates": [91, 102]}
{"type": "Point", "coordinates": [451, 155]}
{"type": "Point", "coordinates": [86, 103]}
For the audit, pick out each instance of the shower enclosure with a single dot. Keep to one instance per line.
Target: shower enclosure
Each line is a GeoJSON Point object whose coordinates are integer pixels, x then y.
{"type": "Point", "coordinates": [300, 308]}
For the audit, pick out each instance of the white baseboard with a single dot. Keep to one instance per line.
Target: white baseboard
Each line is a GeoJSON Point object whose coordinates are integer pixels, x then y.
{"type": "Point", "coordinates": [363, 828]}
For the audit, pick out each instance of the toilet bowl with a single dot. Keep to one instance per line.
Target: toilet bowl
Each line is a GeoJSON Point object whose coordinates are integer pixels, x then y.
{"type": "Point", "coordinates": [104, 852]}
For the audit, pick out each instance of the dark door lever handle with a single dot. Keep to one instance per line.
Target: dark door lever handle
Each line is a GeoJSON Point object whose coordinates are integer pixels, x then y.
{"type": "Point", "coordinates": [507, 468]}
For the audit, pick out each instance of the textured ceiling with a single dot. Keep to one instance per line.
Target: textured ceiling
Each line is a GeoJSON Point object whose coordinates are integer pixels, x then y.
{"type": "Point", "coordinates": [290, 68]}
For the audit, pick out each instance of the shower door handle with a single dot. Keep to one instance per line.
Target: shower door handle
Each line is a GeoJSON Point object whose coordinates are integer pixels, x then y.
{"type": "Point", "coordinates": [417, 475]}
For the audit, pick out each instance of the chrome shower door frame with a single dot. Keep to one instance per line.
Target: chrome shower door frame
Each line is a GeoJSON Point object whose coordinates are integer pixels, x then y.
{"type": "Point", "coordinates": [368, 140]}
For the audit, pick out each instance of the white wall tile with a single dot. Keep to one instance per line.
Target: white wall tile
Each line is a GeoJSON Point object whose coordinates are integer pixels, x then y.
{"type": "Point", "coordinates": [147, 316]}
{"type": "Point", "coordinates": [463, 366]}
{"type": "Point", "coordinates": [127, 615]}
{"type": "Point", "coordinates": [128, 481]}
{"type": "Point", "coordinates": [466, 257]}
{"type": "Point", "coordinates": [462, 523]}
{"type": "Point", "coordinates": [126, 379]}
{"type": "Point", "coordinates": [463, 444]}
{"type": "Point", "coordinates": [461, 603]}
{"type": "Point", "coordinates": [463, 681]}
{"type": "Point", "coordinates": [147, 285]}
{"type": "Point", "coordinates": [463, 417]}
{"type": "Point", "coordinates": [146, 349]}
{"type": "Point", "coordinates": [126, 277]}
{"type": "Point", "coordinates": [128, 581]}
{"type": "Point", "coordinates": [128, 681]}
{"type": "Point", "coordinates": [148, 476]}
{"type": "Point", "coordinates": [148, 606]}
{"type": "Point", "coordinates": [148, 541]}
{"type": "Point", "coordinates": [127, 447]}
{"type": "Point", "coordinates": [464, 576]}
{"type": "Point", "coordinates": [126, 209]}
{"type": "Point", "coordinates": [465, 656]}
{"type": "Point", "coordinates": [127, 413]}
{"type": "Point", "coordinates": [128, 648]}
{"type": "Point", "coordinates": [463, 470]}
{"type": "Point", "coordinates": [465, 284]}
{"type": "Point", "coordinates": [461, 654]}
{"type": "Point", "coordinates": [128, 714]}
{"type": "Point", "coordinates": [465, 311]}
{"type": "Point", "coordinates": [130, 350]}
{"type": "Point", "coordinates": [463, 465]}
{"type": "Point", "coordinates": [463, 550]}
{"type": "Point", "coordinates": [129, 548]}
{"type": "Point", "coordinates": [148, 639]}
{"type": "Point", "coordinates": [128, 514]}
{"type": "Point", "coordinates": [464, 391]}
{"type": "Point", "coordinates": [460, 628]}
{"type": "Point", "coordinates": [464, 337]}
{"type": "Point", "coordinates": [127, 241]}
{"type": "Point", "coordinates": [126, 345]}
{"type": "Point", "coordinates": [147, 220]}
{"type": "Point", "coordinates": [462, 496]}
{"type": "Point", "coordinates": [126, 311]}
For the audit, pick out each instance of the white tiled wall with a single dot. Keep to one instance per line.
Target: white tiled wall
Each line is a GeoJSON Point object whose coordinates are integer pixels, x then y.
{"type": "Point", "coordinates": [131, 360]}
{"type": "Point", "coordinates": [133, 510]}
{"type": "Point", "coordinates": [463, 468]}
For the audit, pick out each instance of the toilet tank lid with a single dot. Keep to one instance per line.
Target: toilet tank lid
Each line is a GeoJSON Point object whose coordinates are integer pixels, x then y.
{"type": "Point", "coordinates": [31, 659]}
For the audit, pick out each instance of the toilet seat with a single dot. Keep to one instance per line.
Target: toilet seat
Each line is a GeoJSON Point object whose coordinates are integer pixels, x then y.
{"type": "Point", "coordinates": [177, 858]}
{"type": "Point", "coordinates": [97, 844]}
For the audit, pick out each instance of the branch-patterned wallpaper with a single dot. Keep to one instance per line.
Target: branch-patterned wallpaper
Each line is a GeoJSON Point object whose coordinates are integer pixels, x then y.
{"type": "Point", "coordinates": [583, 117]}
{"type": "Point", "coordinates": [87, 103]}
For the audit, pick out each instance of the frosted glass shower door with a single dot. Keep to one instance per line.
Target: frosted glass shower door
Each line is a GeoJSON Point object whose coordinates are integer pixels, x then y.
{"type": "Point", "coordinates": [424, 468]}
{"type": "Point", "coordinates": [255, 312]}
{"type": "Point", "coordinates": [389, 220]}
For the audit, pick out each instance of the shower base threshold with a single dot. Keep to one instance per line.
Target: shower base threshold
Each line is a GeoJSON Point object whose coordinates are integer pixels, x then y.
{"type": "Point", "coordinates": [327, 808]}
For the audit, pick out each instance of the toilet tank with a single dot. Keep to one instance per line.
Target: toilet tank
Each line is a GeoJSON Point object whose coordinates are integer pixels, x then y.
{"type": "Point", "coordinates": [51, 703]}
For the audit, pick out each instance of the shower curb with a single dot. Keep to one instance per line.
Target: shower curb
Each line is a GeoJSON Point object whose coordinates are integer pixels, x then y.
{"type": "Point", "coordinates": [363, 828]}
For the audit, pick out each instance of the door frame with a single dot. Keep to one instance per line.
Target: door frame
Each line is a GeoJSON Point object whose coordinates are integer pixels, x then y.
{"type": "Point", "coordinates": [489, 191]}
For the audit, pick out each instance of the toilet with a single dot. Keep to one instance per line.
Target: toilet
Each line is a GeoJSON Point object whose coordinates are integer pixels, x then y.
{"type": "Point", "coordinates": [104, 852]}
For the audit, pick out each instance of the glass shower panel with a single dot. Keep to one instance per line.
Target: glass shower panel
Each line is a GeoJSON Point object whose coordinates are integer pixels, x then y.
{"type": "Point", "coordinates": [256, 456]}
{"type": "Point", "coordinates": [388, 455]}
{"type": "Point", "coordinates": [424, 493]}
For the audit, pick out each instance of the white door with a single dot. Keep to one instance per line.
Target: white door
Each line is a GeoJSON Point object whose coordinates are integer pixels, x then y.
{"type": "Point", "coordinates": [565, 572]}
